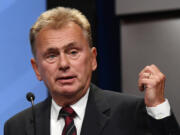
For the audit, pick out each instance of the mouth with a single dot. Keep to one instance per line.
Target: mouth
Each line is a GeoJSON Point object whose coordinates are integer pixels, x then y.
{"type": "Point", "coordinates": [66, 79]}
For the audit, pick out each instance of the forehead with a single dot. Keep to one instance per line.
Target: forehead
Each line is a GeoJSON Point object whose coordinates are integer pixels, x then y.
{"type": "Point", "coordinates": [68, 34]}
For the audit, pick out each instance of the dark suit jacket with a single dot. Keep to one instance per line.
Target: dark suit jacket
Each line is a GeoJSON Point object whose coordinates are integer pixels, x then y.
{"type": "Point", "coordinates": [107, 113]}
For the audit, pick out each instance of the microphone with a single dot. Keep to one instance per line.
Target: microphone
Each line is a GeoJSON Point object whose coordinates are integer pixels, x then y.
{"type": "Point", "coordinates": [30, 97]}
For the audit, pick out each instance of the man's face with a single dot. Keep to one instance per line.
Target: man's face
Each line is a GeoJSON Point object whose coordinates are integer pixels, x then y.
{"type": "Point", "coordinates": [64, 60]}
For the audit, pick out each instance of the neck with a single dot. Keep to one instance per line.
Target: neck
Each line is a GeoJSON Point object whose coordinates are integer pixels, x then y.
{"type": "Point", "coordinates": [64, 100]}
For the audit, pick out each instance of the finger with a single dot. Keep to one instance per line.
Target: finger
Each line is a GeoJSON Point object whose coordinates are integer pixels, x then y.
{"type": "Point", "coordinates": [151, 69]}
{"type": "Point", "coordinates": [146, 83]}
{"type": "Point", "coordinates": [142, 83]}
{"type": "Point", "coordinates": [142, 86]}
{"type": "Point", "coordinates": [147, 80]}
{"type": "Point", "coordinates": [145, 76]}
{"type": "Point", "coordinates": [143, 70]}
{"type": "Point", "coordinates": [149, 72]}
{"type": "Point", "coordinates": [148, 69]}
{"type": "Point", "coordinates": [155, 68]}
{"type": "Point", "coordinates": [159, 73]}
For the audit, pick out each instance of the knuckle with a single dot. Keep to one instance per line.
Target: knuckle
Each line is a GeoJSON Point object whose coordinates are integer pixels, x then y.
{"type": "Point", "coordinates": [147, 67]}
{"type": "Point", "coordinates": [153, 65]}
{"type": "Point", "coordinates": [162, 76]}
{"type": "Point", "coordinates": [153, 83]}
{"type": "Point", "coordinates": [158, 79]}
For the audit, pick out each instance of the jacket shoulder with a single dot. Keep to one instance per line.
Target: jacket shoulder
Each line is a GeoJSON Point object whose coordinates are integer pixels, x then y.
{"type": "Point", "coordinates": [116, 97]}
{"type": "Point", "coordinates": [20, 120]}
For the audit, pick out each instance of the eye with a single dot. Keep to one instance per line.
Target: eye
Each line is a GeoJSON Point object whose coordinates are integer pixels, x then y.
{"type": "Point", "coordinates": [73, 52]}
{"type": "Point", "coordinates": [51, 58]}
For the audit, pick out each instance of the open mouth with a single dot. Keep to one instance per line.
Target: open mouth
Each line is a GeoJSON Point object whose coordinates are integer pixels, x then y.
{"type": "Point", "coordinates": [66, 79]}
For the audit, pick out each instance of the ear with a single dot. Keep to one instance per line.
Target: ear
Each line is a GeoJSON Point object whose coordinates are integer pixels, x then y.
{"type": "Point", "coordinates": [35, 67]}
{"type": "Point", "coordinates": [94, 61]}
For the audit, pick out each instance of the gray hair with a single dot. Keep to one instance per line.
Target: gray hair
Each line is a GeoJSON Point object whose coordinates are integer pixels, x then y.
{"type": "Point", "coordinates": [57, 18]}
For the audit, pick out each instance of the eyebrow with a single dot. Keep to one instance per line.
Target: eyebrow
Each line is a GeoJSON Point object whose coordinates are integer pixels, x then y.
{"type": "Point", "coordinates": [70, 45]}
{"type": "Point", "coordinates": [55, 49]}
{"type": "Point", "coordinates": [50, 50]}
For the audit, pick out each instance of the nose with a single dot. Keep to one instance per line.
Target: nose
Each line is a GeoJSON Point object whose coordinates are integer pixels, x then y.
{"type": "Point", "coordinates": [64, 63]}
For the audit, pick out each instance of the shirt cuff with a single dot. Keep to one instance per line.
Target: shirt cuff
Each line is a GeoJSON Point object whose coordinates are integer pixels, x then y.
{"type": "Point", "coordinates": [160, 111]}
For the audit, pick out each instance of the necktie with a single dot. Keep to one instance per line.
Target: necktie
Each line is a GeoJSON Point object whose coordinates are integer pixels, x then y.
{"type": "Point", "coordinates": [68, 114]}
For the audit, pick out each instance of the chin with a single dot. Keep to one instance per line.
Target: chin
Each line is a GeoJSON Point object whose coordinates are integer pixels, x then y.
{"type": "Point", "coordinates": [67, 91]}
{"type": "Point", "coordinates": [68, 94]}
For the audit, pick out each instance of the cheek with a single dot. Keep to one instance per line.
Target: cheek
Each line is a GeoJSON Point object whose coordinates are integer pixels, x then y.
{"type": "Point", "coordinates": [84, 66]}
{"type": "Point", "coordinates": [47, 71]}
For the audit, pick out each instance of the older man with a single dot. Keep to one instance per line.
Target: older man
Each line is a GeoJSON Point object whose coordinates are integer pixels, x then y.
{"type": "Point", "coordinates": [64, 58]}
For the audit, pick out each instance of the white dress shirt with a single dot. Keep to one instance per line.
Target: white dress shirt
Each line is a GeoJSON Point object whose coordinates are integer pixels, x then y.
{"type": "Point", "coordinates": [160, 111]}
{"type": "Point", "coordinates": [56, 126]}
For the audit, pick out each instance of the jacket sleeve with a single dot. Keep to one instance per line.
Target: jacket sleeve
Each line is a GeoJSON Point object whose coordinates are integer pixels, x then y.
{"type": "Point", "coordinates": [147, 125]}
{"type": "Point", "coordinates": [6, 129]}
{"type": "Point", "coordinates": [165, 126]}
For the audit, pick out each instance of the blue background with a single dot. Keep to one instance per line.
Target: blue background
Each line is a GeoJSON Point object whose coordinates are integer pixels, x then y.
{"type": "Point", "coordinates": [16, 74]}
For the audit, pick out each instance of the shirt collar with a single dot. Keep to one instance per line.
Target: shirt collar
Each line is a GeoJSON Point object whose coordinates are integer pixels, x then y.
{"type": "Point", "coordinates": [79, 107]}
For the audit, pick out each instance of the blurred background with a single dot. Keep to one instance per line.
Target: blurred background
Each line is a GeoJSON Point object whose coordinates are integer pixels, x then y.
{"type": "Point", "coordinates": [128, 35]}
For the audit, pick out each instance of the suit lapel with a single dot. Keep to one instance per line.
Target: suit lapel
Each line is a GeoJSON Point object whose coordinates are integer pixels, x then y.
{"type": "Point", "coordinates": [97, 113]}
{"type": "Point", "coordinates": [43, 118]}
{"type": "Point", "coordinates": [42, 111]}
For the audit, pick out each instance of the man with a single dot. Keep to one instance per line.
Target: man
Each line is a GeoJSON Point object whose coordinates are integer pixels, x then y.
{"type": "Point", "coordinates": [64, 59]}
